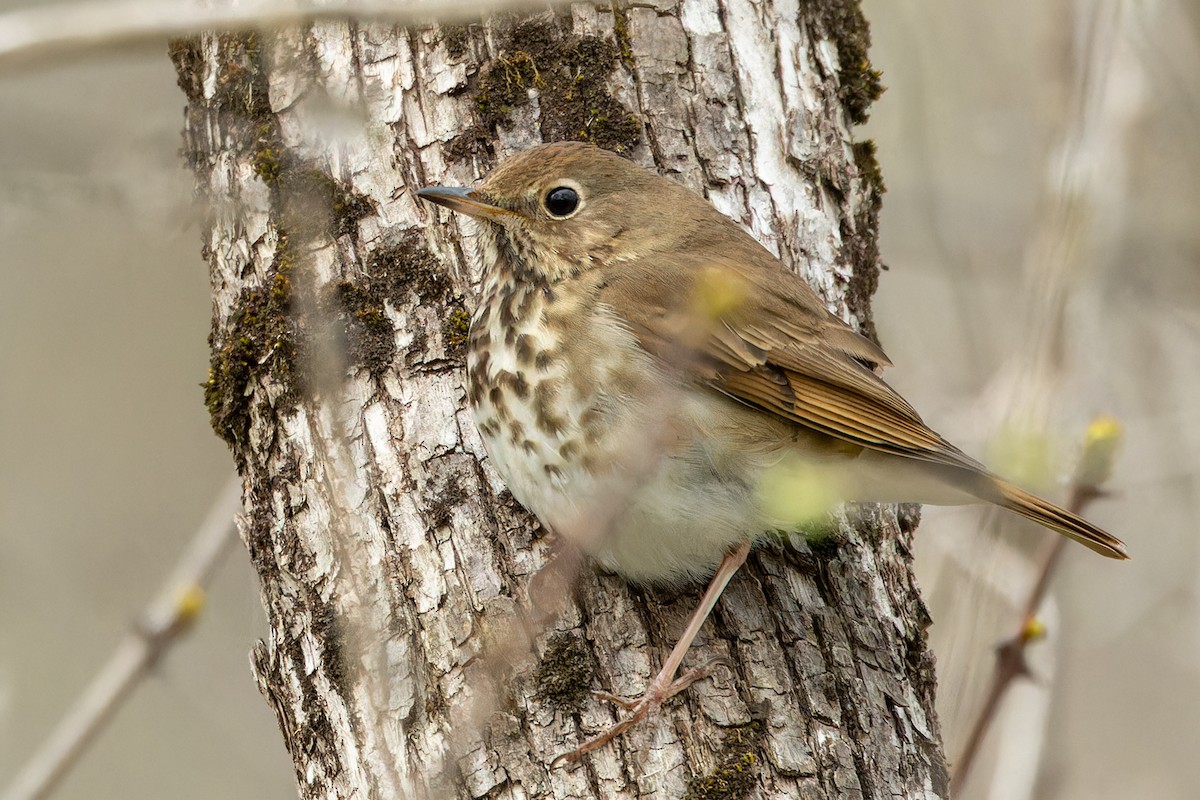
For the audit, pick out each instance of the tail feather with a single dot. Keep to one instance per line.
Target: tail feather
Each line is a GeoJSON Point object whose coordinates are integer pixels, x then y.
{"type": "Point", "coordinates": [1059, 519]}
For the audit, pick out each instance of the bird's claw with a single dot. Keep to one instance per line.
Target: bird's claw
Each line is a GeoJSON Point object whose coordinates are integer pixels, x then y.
{"type": "Point", "coordinates": [639, 708]}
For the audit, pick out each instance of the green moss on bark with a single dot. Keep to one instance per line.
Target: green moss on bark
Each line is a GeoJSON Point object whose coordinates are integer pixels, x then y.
{"type": "Point", "coordinates": [564, 675]}
{"type": "Point", "coordinates": [569, 74]}
{"type": "Point", "coordinates": [859, 83]}
{"type": "Point", "coordinates": [261, 341]}
{"type": "Point", "coordinates": [735, 775]}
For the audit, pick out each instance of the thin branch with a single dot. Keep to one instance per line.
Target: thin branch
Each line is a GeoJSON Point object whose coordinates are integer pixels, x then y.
{"type": "Point", "coordinates": [1103, 439]}
{"type": "Point", "coordinates": [161, 625]}
{"type": "Point", "coordinates": [55, 32]}
{"type": "Point", "coordinates": [1089, 183]}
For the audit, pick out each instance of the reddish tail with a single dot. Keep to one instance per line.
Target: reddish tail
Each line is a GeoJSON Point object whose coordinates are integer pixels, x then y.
{"type": "Point", "coordinates": [1061, 520]}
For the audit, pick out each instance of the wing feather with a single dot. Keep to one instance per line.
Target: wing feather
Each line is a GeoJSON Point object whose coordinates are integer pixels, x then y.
{"type": "Point", "coordinates": [768, 342]}
{"type": "Point", "coordinates": [777, 348]}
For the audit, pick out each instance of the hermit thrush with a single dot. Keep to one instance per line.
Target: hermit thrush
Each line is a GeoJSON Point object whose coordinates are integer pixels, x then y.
{"type": "Point", "coordinates": [640, 368]}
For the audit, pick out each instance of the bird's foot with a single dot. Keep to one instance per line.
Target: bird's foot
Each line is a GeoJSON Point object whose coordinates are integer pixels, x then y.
{"type": "Point", "coordinates": [661, 690]}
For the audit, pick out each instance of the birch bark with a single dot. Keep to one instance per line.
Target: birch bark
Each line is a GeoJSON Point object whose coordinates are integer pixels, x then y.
{"type": "Point", "coordinates": [395, 567]}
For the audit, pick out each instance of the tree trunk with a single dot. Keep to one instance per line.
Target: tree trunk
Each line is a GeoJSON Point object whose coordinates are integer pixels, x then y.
{"type": "Point", "coordinates": [396, 570]}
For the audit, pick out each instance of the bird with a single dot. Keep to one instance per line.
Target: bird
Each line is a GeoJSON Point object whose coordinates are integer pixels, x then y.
{"type": "Point", "coordinates": [639, 368]}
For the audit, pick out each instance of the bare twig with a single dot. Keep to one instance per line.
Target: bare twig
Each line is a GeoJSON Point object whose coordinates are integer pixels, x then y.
{"type": "Point", "coordinates": [50, 33]}
{"type": "Point", "coordinates": [160, 626]}
{"type": "Point", "coordinates": [1103, 437]}
{"type": "Point", "coordinates": [1083, 209]}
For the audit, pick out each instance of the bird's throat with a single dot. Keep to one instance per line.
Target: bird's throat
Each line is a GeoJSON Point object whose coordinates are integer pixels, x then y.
{"type": "Point", "coordinates": [508, 258]}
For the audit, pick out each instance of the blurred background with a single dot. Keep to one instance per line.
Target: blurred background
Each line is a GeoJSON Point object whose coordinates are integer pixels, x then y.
{"type": "Point", "coordinates": [1042, 230]}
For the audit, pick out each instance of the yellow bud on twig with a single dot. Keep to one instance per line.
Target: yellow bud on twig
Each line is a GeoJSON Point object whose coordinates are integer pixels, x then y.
{"type": "Point", "coordinates": [1100, 446]}
{"type": "Point", "coordinates": [189, 603]}
{"type": "Point", "coordinates": [1034, 629]}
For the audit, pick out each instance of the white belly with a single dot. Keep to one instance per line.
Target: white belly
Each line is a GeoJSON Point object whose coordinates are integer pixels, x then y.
{"type": "Point", "coordinates": [650, 513]}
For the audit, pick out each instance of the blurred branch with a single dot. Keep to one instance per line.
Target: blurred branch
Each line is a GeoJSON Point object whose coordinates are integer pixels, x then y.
{"type": "Point", "coordinates": [1081, 216]}
{"type": "Point", "coordinates": [1169, 46]}
{"type": "Point", "coordinates": [49, 34]}
{"type": "Point", "coordinates": [1095, 467]}
{"type": "Point", "coordinates": [164, 621]}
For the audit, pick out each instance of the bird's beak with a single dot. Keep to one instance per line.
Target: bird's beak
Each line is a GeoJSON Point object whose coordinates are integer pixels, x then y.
{"type": "Point", "coordinates": [464, 201]}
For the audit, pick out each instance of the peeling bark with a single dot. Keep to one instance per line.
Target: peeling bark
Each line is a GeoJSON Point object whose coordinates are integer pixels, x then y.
{"type": "Point", "coordinates": [394, 565]}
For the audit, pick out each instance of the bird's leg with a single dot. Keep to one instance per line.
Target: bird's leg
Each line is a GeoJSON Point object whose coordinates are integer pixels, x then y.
{"type": "Point", "coordinates": [665, 685]}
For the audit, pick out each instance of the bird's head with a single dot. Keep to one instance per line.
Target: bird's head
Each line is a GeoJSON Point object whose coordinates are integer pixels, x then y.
{"type": "Point", "coordinates": [566, 207]}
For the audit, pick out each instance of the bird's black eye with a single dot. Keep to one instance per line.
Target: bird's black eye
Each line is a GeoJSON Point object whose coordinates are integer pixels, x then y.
{"type": "Point", "coordinates": [562, 201]}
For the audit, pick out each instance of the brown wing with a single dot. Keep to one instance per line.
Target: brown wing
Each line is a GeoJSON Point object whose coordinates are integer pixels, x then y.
{"type": "Point", "coordinates": [774, 347]}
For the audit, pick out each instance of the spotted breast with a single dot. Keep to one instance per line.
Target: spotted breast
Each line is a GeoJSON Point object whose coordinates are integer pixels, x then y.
{"type": "Point", "coordinates": [590, 436]}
